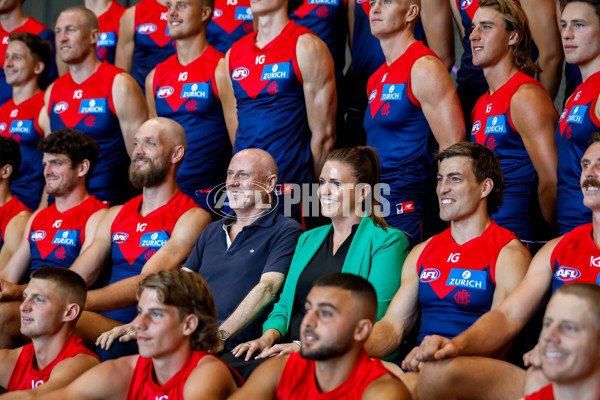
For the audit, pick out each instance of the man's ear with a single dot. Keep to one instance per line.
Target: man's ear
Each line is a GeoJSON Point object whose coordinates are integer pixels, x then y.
{"type": "Point", "coordinates": [363, 330]}
{"type": "Point", "coordinates": [83, 168]}
{"type": "Point", "coordinates": [178, 153]}
{"type": "Point", "coordinates": [71, 312]}
{"type": "Point", "coordinates": [190, 323]}
{"type": "Point", "coordinates": [6, 171]}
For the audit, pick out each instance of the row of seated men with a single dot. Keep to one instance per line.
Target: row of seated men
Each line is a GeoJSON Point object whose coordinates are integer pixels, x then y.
{"type": "Point", "coordinates": [473, 269]}
{"type": "Point", "coordinates": [275, 89]}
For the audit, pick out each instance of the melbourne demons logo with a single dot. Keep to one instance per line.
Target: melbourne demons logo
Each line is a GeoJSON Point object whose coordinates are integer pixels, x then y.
{"type": "Point", "coordinates": [146, 29]}
{"type": "Point", "coordinates": [119, 237]}
{"type": "Point", "coordinates": [567, 274]}
{"type": "Point", "coordinates": [429, 275]}
{"type": "Point", "coordinates": [164, 91]}
{"type": "Point", "coordinates": [38, 235]}
{"type": "Point", "coordinates": [61, 107]}
{"type": "Point", "coordinates": [239, 73]}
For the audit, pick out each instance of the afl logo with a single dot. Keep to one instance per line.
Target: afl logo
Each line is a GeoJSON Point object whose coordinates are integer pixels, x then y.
{"type": "Point", "coordinates": [567, 274]}
{"type": "Point", "coordinates": [2, 126]}
{"type": "Point", "coordinates": [146, 29]}
{"type": "Point", "coordinates": [61, 107]}
{"type": "Point", "coordinates": [38, 235]}
{"type": "Point", "coordinates": [239, 73]}
{"type": "Point", "coordinates": [373, 95]}
{"type": "Point", "coordinates": [217, 13]}
{"type": "Point", "coordinates": [563, 115]}
{"type": "Point", "coordinates": [465, 3]}
{"type": "Point", "coordinates": [164, 91]}
{"type": "Point", "coordinates": [429, 275]}
{"type": "Point", "coordinates": [119, 237]}
{"type": "Point", "coordinates": [476, 127]}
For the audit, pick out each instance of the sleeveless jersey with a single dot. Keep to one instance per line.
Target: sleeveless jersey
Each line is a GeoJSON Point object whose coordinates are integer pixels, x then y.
{"type": "Point", "coordinates": [231, 21]}
{"type": "Point", "coordinates": [88, 107]}
{"type": "Point", "coordinates": [7, 212]}
{"type": "Point", "coordinates": [142, 384]}
{"type": "Point", "coordinates": [55, 238]}
{"type": "Point", "coordinates": [493, 128]}
{"type": "Point", "coordinates": [36, 28]}
{"type": "Point", "coordinates": [298, 379]}
{"type": "Point", "coordinates": [328, 19]}
{"type": "Point", "coordinates": [135, 239]}
{"type": "Point", "coordinates": [545, 393]}
{"type": "Point", "coordinates": [575, 258]}
{"type": "Point", "coordinates": [106, 47]}
{"type": "Point", "coordinates": [457, 283]}
{"type": "Point", "coordinates": [577, 123]}
{"type": "Point", "coordinates": [25, 377]}
{"type": "Point", "coordinates": [152, 41]}
{"type": "Point", "coordinates": [194, 104]}
{"type": "Point", "coordinates": [271, 108]}
{"type": "Point", "coordinates": [397, 128]}
{"type": "Point", "coordinates": [21, 123]}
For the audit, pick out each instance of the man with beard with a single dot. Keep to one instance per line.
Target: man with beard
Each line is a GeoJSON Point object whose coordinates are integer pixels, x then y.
{"type": "Point", "coordinates": [340, 313]}
{"type": "Point", "coordinates": [54, 236]}
{"type": "Point", "coordinates": [150, 233]}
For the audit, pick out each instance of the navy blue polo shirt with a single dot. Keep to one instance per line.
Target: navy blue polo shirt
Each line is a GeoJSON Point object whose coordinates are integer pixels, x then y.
{"type": "Point", "coordinates": [267, 245]}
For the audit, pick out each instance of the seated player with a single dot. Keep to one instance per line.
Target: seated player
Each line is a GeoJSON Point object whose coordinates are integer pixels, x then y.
{"type": "Point", "coordinates": [26, 63]}
{"type": "Point", "coordinates": [52, 304]}
{"type": "Point", "coordinates": [13, 214]}
{"type": "Point", "coordinates": [449, 278]}
{"type": "Point", "coordinates": [54, 236]}
{"type": "Point", "coordinates": [177, 331]}
{"type": "Point", "coordinates": [340, 312]}
{"type": "Point", "coordinates": [570, 344]}
{"type": "Point", "coordinates": [564, 260]}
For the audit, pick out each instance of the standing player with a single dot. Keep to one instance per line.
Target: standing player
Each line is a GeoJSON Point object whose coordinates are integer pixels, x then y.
{"type": "Point", "coordinates": [26, 63]}
{"type": "Point", "coordinates": [13, 20]}
{"type": "Point", "coordinates": [54, 235]}
{"type": "Point", "coordinates": [516, 118]}
{"type": "Point", "coordinates": [144, 39]}
{"type": "Point", "coordinates": [284, 85]}
{"type": "Point", "coordinates": [52, 304]}
{"type": "Point", "coordinates": [231, 20]}
{"type": "Point", "coordinates": [184, 89]}
{"type": "Point", "coordinates": [13, 213]}
{"type": "Point", "coordinates": [340, 311]}
{"type": "Point", "coordinates": [410, 95]}
{"type": "Point", "coordinates": [109, 14]}
{"type": "Point", "coordinates": [471, 83]}
{"type": "Point", "coordinates": [580, 28]}
{"type": "Point", "coordinates": [96, 98]}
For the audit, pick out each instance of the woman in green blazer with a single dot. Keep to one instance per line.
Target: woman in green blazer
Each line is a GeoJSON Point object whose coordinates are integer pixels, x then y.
{"type": "Point", "coordinates": [375, 251]}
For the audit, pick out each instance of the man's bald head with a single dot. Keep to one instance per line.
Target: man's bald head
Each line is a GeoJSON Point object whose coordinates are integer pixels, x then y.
{"type": "Point", "coordinates": [88, 18]}
{"type": "Point", "coordinates": [262, 161]}
{"type": "Point", "coordinates": [167, 130]}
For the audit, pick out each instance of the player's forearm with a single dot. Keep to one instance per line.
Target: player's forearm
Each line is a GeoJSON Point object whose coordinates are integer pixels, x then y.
{"type": "Point", "coordinates": [551, 74]}
{"type": "Point", "coordinates": [320, 147]}
{"type": "Point", "coordinates": [547, 198]}
{"type": "Point", "coordinates": [258, 298]}
{"type": "Point", "coordinates": [384, 339]}
{"type": "Point", "coordinates": [116, 296]}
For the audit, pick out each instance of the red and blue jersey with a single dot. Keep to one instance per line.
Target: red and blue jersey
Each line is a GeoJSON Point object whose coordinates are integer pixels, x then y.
{"type": "Point", "coordinates": [328, 19]}
{"type": "Point", "coordinates": [397, 128]}
{"type": "Point", "coordinates": [142, 384]}
{"type": "Point", "coordinates": [457, 282]}
{"type": "Point", "coordinates": [88, 107]}
{"type": "Point", "coordinates": [20, 121]}
{"type": "Point", "coordinates": [55, 238]}
{"type": "Point", "coordinates": [136, 238]}
{"type": "Point", "coordinates": [153, 44]}
{"type": "Point", "coordinates": [575, 258]}
{"type": "Point", "coordinates": [36, 28]}
{"type": "Point", "coordinates": [545, 393]}
{"type": "Point", "coordinates": [493, 128]}
{"type": "Point", "coordinates": [188, 95]}
{"type": "Point", "coordinates": [575, 127]}
{"type": "Point", "coordinates": [271, 109]}
{"type": "Point", "coordinates": [231, 21]}
{"type": "Point", "coordinates": [106, 47]}
{"type": "Point", "coordinates": [7, 212]}
{"type": "Point", "coordinates": [26, 376]}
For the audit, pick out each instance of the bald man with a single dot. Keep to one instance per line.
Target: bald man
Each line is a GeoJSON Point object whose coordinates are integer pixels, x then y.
{"type": "Point", "coordinates": [150, 233]}
{"type": "Point", "coordinates": [96, 98]}
{"type": "Point", "coordinates": [244, 257]}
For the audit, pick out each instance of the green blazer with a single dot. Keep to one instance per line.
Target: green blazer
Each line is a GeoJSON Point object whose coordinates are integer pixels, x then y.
{"type": "Point", "coordinates": [374, 254]}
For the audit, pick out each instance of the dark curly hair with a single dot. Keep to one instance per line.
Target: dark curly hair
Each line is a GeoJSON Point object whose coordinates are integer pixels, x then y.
{"type": "Point", "coordinates": [484, 164]}
{"type": "Point", "coordinates": [40, 52]}
{"type": "Point", "coordinates": [188, 292]}
{"type": "Point", "coordinates": [73, 144]}
{"type": "Point", "coordinates": [10, 154]}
